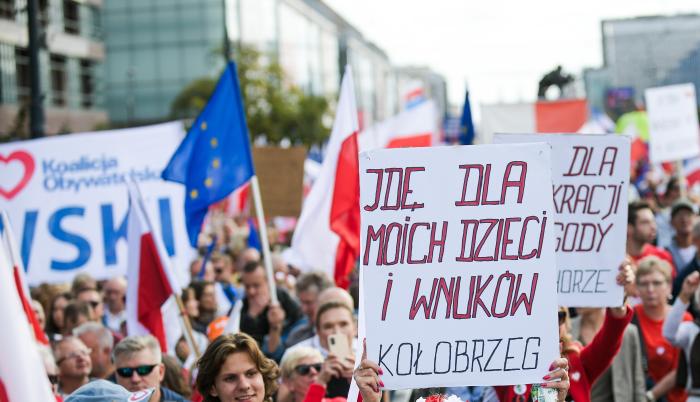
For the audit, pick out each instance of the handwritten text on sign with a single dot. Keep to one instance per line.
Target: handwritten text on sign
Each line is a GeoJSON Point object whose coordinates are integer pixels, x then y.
{"type": "Point", "coordinates": [590, 174]}
{"type": "Point", "coordinates": [457, 252]}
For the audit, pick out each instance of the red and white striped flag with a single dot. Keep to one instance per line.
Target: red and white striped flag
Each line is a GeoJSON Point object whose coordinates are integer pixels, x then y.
{"type": "Point", "coordinates": [151, 281]}
{"type": "Point", "coordinates": [327, 236]}
{"type": "Point", "coordinates": [22, 373]}
{"type": "Point", "coordinates": [20, 279]}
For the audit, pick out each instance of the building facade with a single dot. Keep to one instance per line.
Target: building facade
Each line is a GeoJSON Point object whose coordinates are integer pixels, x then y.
{"type": "Point", "coordinates": [71, 58]}
{"type": "Point", "coordinates": [156, 47]}
{"type": "Point", "coordinates": [645, 52]}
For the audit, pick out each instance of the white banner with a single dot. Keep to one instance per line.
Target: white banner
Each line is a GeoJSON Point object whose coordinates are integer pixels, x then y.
{"type": "Point", "coordinates": [458, 253]}
{"type": "Point", "coordinates": [590, 174]}
{"type": "Point", "coordinates": [67, 200]}
{"type": "Point", "coordinates": [673, 123]}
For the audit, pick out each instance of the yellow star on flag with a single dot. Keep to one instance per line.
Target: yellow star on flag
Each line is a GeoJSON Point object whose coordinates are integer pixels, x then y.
{"type": "Point", "coordinates": [203, 126]}
{"type": "Point", "coordinates": [208, 182]}
{"type": "Point", "coordinates": [216, 163]}
{"type": "Point", "coordinates": [214, 142]}
{"type": "Point", "coordinates": [194, 194]}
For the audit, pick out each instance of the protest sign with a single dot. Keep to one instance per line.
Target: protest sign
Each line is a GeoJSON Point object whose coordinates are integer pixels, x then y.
{"type": "Point", "coordinates": [673, 123]}
{"type": "Point", "coordinates": [458, 264]}
{"type": "Point", "coordinates": [281, 175]}
{"type": "Point", "coordinates": [67, 200]}
{"type": "Point", "coordinates": [590, 174]}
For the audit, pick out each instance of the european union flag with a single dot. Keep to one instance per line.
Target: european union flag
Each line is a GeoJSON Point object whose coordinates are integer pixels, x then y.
{"type": "Point", "coordinates": [466, 124]}
{"type": "Point", "coordinates": [214, 158]}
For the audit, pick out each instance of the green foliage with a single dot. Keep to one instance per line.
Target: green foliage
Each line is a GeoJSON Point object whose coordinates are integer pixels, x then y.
{"type": "Point", "coordinates": [274, 109]}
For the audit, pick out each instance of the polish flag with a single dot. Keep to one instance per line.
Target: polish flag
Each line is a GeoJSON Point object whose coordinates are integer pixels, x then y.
{"type": "Point", "coordinates": [414, 127]}
{"type": "Point", "coordinates": [561, 116]}
{"type": "Point", "coordinates": [151, 281]}
{"type": "Point", "coordinates": [327, 236]}
{"type": "Point", "coordinates": [20, 279]}
{"type": "Point", "coordinates": [22, 373]}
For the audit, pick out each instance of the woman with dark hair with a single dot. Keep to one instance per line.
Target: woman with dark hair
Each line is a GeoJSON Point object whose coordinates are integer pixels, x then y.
{"type": "Point", "coordinates": [233, 368]}
{"type": "Point", "coordinates": [54, 317]}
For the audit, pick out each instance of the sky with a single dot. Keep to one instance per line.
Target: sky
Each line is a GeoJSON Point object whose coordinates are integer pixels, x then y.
{"type": "Point", "coordinates": [498, 48]}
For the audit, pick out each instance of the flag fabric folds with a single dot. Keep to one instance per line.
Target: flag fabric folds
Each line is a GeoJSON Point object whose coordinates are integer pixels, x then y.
{"type": "Point", "coordinates": [560, 116]}
{"type": "Point", "coordinates": [22, 373]}
{"type": "Point", "coordinates": [151, 281]}
{"type": "Point", "coordinates": [20, 279]}
{"type": "Point", "coordinates": [466, 124]}
{"type": "Point", "coordinates": [327, 236]}
{"type": "Point", "coordinates": [253, 236]}
{"type": "Point", "coordinates": [414, 127]}
{"type": "Point", "coordinates": [214, 158]}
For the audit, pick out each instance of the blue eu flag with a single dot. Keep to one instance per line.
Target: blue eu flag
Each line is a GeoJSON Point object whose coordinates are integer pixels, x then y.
{"type": "Point", "coordinates": [214, 158]}
{"type": "Point", "coordinates": [466, 125]}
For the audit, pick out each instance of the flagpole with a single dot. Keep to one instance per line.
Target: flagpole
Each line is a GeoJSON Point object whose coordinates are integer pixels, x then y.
{"type": "Point", "coordinates": [267, 256]}
{"type": "Point", "coordinates": [682, 184]}
{"type": "Point", "coordinates": [188, 326]}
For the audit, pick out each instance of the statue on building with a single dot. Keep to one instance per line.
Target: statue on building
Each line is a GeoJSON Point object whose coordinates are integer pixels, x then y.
{"type": "Point", "coordinates": [555, 77]}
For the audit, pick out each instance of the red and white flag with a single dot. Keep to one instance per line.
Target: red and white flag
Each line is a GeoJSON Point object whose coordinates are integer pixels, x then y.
{"type": "Point", "coordinates": [22, 373]}
{"type": "Point", "coordinates": [560, 116]}
{"type": "Point", "coordinates": [414, 127]}
{"type": "Point", "coordinates": [327, 236]}
{"type": "Point", "coordinates": [151, 281]}
{"type": "Point", "coordinates": [20, 279]}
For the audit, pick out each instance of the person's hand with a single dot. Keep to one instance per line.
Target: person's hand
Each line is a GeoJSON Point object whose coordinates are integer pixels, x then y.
{"type": "Point", "coordinates": [558, 378]}
{"type": "Point", "coordinates": [625, 275]}
{"type": "Point", "coordinates": [367, 378]}
{"type": "Point", "coordinates": [690, 285]}
{"type": "Point", "coordinates": [625, 278]}
{"type": "Point", "coordinates": [275, 317]}
{"type": "Point", "coordinates": [348, 364]}
{"type": "Point", "coordinates": [332, 367]}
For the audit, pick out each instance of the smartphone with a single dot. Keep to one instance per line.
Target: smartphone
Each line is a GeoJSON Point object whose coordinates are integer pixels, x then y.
{"type": "Point", "coordinates": [338, 345]}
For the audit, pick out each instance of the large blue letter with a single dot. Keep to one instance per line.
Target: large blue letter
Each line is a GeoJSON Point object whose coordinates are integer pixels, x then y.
{"type": "Point", "coordinates": [166, 225]}
{"type": "Point", "coordinates": [110, 236]}
{"type": "Point", "coordinates": [60, 234]}
{"type": "Point", "coordinates": [30, 218]}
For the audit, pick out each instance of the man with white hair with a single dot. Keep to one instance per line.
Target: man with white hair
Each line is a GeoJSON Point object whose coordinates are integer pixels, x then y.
{"type": "Point", "coordinates": [114, 291]}
{"type": "Point", "coordinates": [139, 365]}
{"type": "Point", "coordinates": [99, 339]}
{"type": "Point", "coordinates": [74, 366]}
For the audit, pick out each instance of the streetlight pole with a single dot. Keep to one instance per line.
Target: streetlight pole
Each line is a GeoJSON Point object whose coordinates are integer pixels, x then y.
{"type": "Point", "coordinates": [36, 109]}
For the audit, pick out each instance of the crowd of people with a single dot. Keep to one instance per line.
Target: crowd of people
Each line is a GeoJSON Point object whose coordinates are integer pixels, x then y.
{"type": "Point", "coordinates": [645, 350]}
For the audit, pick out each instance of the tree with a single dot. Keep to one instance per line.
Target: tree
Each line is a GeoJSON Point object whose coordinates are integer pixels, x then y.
{"type": "Point", "coordinates": [274, 109]}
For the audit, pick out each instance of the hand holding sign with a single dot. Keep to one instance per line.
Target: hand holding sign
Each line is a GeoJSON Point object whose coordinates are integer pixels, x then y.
{"type": "Point", "coordinates": [558, 378]}
{"type": "Point", "coordinates": [367, 378]}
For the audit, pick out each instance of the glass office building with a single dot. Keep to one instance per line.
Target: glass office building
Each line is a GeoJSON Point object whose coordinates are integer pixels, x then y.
{"type": "Point", "coordinates": [156, 47]}
{"type": "Point", "coordinates": [70, 64]}
{"type": "Point", "coordinates": [644, 52]}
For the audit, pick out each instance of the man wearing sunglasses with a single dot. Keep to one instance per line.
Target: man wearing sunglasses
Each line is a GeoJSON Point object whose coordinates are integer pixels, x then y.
{"type": "Point", "coordinates": [139, 366]}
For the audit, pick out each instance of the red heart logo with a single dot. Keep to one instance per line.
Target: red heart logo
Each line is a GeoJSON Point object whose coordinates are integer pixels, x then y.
{"type": "Point", "coordinates": [26, 159]}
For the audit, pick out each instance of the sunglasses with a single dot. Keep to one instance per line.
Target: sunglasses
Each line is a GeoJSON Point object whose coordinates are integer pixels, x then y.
{"type": "Point", "coordinates": [305, 369]}
{"type": "Point", "coordinates": [127, 372]}
{"type": "Point", "coordinates": [53, 379]}
{"type": "Point", "coordinates": [562, 317]}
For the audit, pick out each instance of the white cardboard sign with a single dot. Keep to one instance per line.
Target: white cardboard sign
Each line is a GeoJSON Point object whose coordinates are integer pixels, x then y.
{"type": "Point", "coordinates": [458, 264]}
{"type": "Point", "coordinates": [67, 200]}
{"type": "Point", "coordinates": [590, 174]}
{"type": "Point", "coordinates": [673, 123]}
